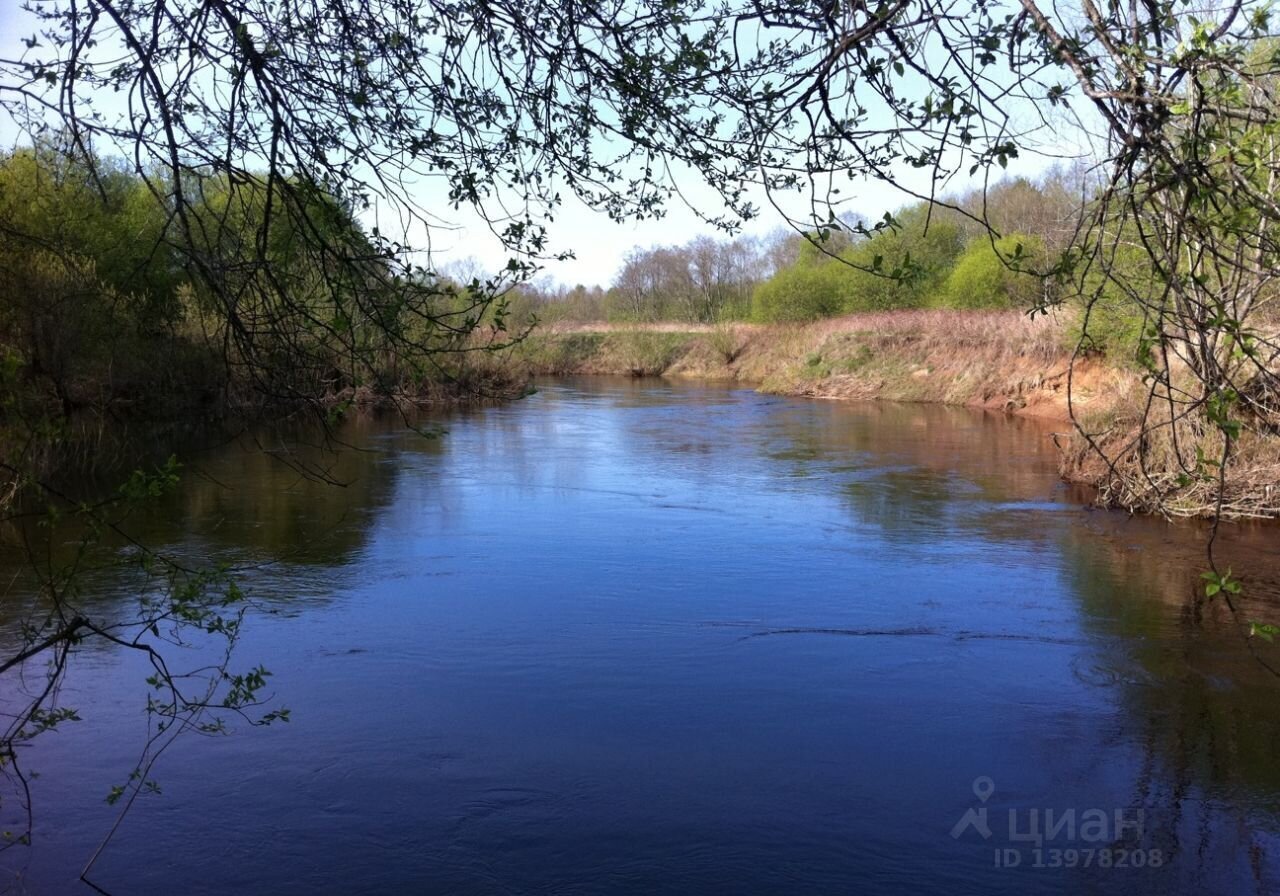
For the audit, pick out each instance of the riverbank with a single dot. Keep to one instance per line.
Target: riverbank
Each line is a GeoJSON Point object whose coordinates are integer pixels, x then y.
{"type": "Point", "coordinates": [995, 360]}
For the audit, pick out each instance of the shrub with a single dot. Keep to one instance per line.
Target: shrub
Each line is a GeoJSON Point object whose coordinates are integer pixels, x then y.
{"type": "Point", "coordinates": [985, 276]}
{"type": "Point", "coordinates": [1116, 314]}
{"type": "Point", "coordinates": [806, 291]}
{"type": "Point", "coordinates": [912, 262]}
{"type": "Point", "coordinates": [896, 268]}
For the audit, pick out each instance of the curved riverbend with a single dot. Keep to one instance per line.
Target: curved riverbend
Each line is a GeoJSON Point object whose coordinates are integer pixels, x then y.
{"type": "Point", "coordinates": [656, 637]}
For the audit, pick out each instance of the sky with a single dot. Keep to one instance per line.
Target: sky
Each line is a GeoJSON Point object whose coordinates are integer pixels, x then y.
{"type": "Point", "coordinates": [599, 244]}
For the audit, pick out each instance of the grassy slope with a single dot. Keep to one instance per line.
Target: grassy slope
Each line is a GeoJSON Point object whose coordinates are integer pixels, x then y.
{"type": "Point", "coordinates": [999, 360]}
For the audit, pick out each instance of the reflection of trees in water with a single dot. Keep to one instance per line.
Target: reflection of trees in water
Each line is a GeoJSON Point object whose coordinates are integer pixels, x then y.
{"type": "Point", "coordinates": [1201, 710]}
{"type": "Point", "coordinates": [912, 502]}
{"type": "Point", "coordinates": [901, 467]}
{"type": "Point", "coordinates": [291, 496]}
{"type": "Point", "coordinates": [286, 496]}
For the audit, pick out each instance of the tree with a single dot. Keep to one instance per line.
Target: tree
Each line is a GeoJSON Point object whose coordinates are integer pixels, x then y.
{"type": "Point", "coordinates": [903, 266]}
{"type": "Point", "coordinates": [704, 281]}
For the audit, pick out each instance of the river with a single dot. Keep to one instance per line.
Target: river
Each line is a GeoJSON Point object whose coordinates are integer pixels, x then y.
{"type": "Point", "coordinates": [661, 637]}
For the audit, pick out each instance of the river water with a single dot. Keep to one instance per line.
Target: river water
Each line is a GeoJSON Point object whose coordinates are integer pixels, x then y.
{"type": "Point", "coordinates": [655, 637]}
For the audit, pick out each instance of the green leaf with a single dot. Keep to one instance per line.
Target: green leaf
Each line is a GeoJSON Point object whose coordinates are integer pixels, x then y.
{"type": "Point", "coordinates": [1264, 630]}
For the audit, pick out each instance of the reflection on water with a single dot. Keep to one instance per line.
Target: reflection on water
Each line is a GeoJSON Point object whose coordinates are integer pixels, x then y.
{"type": "Point", "coordinates": [652, 637]}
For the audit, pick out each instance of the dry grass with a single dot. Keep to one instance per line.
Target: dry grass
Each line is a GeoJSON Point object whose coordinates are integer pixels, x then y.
{"type": "Point", "coordinates": [651, 327]}
{"type": "Point", "coordinates": [1011, 333]}
{"type": "Point", "coordinates": [1146, 463]}
{"type": "Point", "coordinates": [1000, 359]}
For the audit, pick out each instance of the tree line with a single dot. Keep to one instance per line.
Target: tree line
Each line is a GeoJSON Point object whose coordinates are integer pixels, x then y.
{"type": "Point", "coordinates": [702, 281]}
{"type": "Point", "coordinates": [985, 249]}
